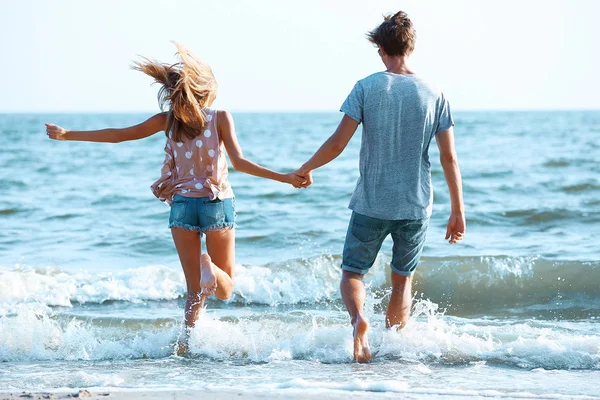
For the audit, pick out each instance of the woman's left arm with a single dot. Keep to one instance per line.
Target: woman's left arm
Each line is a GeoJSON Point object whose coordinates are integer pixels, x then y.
{"type": "Point", "coordinates": [242, 164]}
{"type": "Point", "coordinates": [149, 127]}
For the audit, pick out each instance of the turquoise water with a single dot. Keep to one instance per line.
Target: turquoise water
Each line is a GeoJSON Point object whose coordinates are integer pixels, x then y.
{"type": "Point", "coordinates": [91, 291]}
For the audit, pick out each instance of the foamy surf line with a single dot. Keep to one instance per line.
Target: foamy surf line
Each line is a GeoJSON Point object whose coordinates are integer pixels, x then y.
{"type": "Point", "coordinates": [294, 389]}
{"type": "Point", "coordinates": [270, 284]}
{"type": "Point", "coordinates": [302, 386]}
{"type": "Point", "coordinates": [36, 334]}
{"type": "Point", "coordinates": [468, 283]}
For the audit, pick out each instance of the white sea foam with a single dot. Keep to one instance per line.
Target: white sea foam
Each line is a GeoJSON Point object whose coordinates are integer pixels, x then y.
{"type": "Point", "coordinates": [35, 333]}
{"type": "Point", "coordinates": [471, 285]}
{"type": "Point", "coordinates": [54, 287]}
{"type": "Point", "coordinates": [322, 388]}
{"type": "Point", "coordinates": [430, 337]}
{"type": "Point", "coordinates": [355, 385]}
{"type": "Point", "coordinates": [297, 281]}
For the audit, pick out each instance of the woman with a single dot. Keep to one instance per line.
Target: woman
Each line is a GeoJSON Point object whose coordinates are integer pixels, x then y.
{"type": "Point", "coordinates": [194, 174]}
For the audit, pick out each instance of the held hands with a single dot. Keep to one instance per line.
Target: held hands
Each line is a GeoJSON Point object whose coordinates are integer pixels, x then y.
{"type": "Point", "coordinates": [56, 132]}
{"type": "Point", "coordinates": [294, 180]}
{"type": "Point", "coordinates": [456, 227]}
{"type": "Point", "coordinates": [301, 178]}
{"type": "Point", "coordinates": [305, 175]}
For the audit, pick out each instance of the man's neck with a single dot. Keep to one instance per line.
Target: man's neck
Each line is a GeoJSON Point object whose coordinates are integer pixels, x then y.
{"type": "Point", "coordinates": [397, 65]}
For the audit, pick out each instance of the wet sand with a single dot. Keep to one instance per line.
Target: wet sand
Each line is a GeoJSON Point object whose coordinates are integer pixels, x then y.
{"type": "Point", "coordinates": [195, 395]}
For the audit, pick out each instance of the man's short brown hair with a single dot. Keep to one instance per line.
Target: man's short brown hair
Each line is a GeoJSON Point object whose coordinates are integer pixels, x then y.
{"type": "Point", "coordinates": [396, 35]}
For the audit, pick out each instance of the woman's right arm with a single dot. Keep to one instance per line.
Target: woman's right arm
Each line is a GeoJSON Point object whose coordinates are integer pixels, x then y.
{"type": "Point", "coordinates": [149, 127]}
{"type": "Point", "coordinates": [234, 151]}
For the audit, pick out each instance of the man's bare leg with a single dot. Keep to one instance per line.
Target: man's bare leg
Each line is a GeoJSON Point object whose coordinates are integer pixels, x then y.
{"type": "Point", "coordinates": [401, 301]}
{"type": "Point", "coordinates": [354, 293]}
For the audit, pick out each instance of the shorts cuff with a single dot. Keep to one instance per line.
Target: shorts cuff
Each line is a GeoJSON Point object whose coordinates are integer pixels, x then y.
{"type": "Point", "coordinates": [402, 273]}
{"type": "Point", "coordinates": [354, 269]}
{"type": "Point", "coordinates": [218, 227]}
{"type": "Point", "coordinates": [183, 226]}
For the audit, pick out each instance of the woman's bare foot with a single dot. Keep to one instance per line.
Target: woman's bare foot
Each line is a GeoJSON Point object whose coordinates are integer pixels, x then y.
{"type": "Point", "coordinates": [182, 348]}
{"type": "Point", "coordinates": [362, 353]}
{"type": "Point", "coordinates": [208, 279]}
{"type": "Point", "coordinates": [182, 343]}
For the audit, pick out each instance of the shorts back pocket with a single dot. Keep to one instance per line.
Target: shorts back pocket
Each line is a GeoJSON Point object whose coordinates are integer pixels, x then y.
{"type": "Point", "coordinates": [366, 229]}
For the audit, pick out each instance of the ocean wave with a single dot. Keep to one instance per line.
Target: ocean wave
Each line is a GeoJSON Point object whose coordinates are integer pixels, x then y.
{"type": "Point", "coordinates": [541, 215]}
{"type": "Point", "coordinates": [321, 388]}
{"type": "Point", "coordinates": [521, 286]}
{"type": "Point", "coordinates": [292, 282]}
{"type": "Point", "coordinates": [9, 211]}
{"type": "Point", "coordinates": [512, 286]}
{"type": "Point", "coordinates": [36, 334]}
{"type": "Point", "coordinates": [56, 287]}
{"type": "Point", "coordinates": [581, 187]}
{"type": "Point", "coordinates": [537, 216]}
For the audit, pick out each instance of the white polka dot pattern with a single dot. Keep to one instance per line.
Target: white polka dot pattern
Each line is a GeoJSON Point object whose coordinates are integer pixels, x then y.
{"type": "Point", "coordinates": [200, 170]}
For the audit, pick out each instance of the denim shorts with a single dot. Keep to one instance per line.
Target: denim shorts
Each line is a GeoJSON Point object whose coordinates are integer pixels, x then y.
{"type": "Point", "coordinates": [202, 214]}
{"type": "Point", "coordinates": [366, 234]}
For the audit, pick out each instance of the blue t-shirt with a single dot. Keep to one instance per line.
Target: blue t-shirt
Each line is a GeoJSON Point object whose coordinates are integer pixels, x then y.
{"type": "Point", "coordinates": [400, 115]}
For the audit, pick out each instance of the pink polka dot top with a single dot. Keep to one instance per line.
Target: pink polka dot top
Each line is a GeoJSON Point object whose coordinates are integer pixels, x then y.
{"type": "Point", "coordinates": [195, 167]}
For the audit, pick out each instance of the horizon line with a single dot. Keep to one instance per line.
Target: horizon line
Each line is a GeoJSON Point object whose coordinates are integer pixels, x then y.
{"type": "Point", "coordinates": [290, 111]}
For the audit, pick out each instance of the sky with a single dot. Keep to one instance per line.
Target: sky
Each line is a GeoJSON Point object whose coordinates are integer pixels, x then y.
{"type": "Point", "coordinates": [267, 55]}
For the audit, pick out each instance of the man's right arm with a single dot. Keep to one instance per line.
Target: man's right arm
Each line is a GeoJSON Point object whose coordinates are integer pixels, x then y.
{"type": "Point", "coordinates": [449, 161]}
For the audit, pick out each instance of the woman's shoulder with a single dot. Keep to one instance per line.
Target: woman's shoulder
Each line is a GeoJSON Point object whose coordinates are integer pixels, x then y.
{"type": "Point", "coordinates": [223, 116]}
{"type": "Point", "coordinates": [222, 113]}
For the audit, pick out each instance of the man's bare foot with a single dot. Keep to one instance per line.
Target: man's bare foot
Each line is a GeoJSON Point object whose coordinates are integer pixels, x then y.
{"type": "Point", "coordinates": [362, 353]}
{"type": "Point", "coordinates": [401, 325]}
{"type": "Point", "coordinates": [208, 279]}
{"type": "Point", "coordinates": [398, 325]}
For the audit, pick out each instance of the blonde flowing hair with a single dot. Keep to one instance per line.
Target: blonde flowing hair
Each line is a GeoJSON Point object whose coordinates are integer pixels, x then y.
{"type": "Point", "coordinates": [187, 87]}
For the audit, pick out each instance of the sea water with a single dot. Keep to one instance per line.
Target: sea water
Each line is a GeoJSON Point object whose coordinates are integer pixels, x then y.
{"type": "Point", "coordinates": [92, 293]}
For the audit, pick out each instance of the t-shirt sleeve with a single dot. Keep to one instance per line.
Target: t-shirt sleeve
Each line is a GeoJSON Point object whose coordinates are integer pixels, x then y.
{"type": "Point", "coordinates": [353, 106]}
{"type": "Point", "coordinates": [445, 120]}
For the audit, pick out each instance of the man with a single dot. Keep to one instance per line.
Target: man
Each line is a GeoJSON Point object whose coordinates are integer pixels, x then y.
{"type": "Point", "coordinates": [401, 113]}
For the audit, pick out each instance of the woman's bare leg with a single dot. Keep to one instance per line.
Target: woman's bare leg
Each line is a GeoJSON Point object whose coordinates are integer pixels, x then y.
{"type": "Point", "coordinates": [189, 247]}
{"type": "Point", "coordinates": [202, 276]}
{"type": "Point", "coordinates": [220, 260]}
